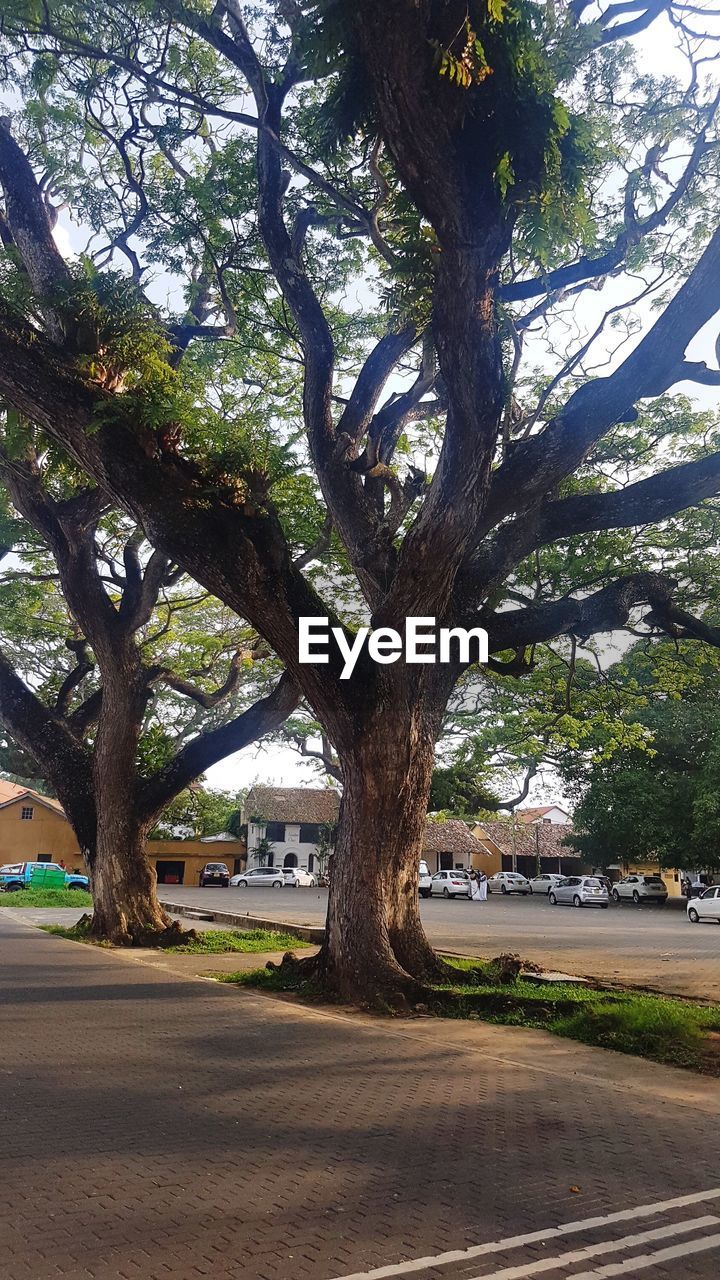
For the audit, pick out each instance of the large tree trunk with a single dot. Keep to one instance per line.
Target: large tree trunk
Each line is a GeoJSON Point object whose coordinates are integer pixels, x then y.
{"type": "Point", "coordinates": [126, 908]}
{"type": "Point", "coordinates": [375, 946]}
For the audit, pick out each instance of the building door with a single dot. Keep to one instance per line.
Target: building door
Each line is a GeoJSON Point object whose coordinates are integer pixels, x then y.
{"type": "Point", "coordinates": [170, 872]}
{"type": "Point", "coordinates": [446, 862]}
{"type": "Point", "coordinates": [290, 860]}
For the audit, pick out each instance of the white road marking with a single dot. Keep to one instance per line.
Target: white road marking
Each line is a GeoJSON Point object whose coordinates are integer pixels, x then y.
{"type": "Point", "coordinates": [532, 1237]}
{"type": "Point", "coordinates": [560, 1260]}
{"type": "Point", "coordinates": [631, 1265]}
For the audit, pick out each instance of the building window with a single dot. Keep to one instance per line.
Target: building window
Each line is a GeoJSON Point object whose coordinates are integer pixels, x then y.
{"type": "Point", "coordinates": [275, 831]}
{"type": "Point", "coordinates": [309, 832]}
{"type": "Point", "coordinates": [26, 812]}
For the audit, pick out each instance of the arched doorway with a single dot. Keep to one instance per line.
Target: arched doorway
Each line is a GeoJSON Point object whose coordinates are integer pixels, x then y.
{"type": "Point", "coordinates": [290, 860]}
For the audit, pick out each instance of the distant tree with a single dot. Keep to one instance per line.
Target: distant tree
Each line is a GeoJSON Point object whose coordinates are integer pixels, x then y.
{"type": "Point", "coordinates": [657, 799]}
{"type": "Point", "coordinates": [118, 684]}
{"type": "Point", "coordinates": [460, 790]}
{"type": "Point", "coordinates": [198, 811]}
{"type": "Point", "coordinates": [262, 851]}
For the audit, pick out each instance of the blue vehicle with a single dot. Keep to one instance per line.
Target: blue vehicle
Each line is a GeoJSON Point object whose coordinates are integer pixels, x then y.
{"type": "Point", "coordinates": [40, 875]}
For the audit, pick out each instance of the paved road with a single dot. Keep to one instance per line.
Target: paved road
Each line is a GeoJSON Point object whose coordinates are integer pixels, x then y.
{"type": "Point", "coordinates": [649, 945]}
{"type": "Point", "coordinates": [164, 1128]}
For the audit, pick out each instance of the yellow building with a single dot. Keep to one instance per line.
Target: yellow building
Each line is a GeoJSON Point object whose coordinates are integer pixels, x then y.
{"type": "Point", "coordinates": [33, 828]}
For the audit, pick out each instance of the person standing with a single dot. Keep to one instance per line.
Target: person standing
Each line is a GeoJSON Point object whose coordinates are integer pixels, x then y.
{"type": "Point", "coordinates": [478, 887]}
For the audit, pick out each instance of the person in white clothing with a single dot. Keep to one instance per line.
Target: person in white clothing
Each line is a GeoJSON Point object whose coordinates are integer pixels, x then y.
{"type": "Point", "coordinates": [478, 887]}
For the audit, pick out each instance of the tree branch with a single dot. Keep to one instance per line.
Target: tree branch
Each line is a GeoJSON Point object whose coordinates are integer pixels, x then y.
{"type": "Point", "coordinates": [656, 364]}
{"type": "Point", "coordinates": [260, 719]}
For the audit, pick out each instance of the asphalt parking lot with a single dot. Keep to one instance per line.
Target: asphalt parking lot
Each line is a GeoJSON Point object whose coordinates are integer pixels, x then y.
{"type": "Point", "coordinates": [648, 945]}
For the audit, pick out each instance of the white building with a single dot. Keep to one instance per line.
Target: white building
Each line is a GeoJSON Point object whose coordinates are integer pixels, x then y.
{"type": "Point", "coordinates": [293, 822]}
{"type": "Point", "coordinates": [545, 813]}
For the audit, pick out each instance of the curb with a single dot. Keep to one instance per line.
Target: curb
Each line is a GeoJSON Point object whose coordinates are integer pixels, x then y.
{"type": "Point", "coordinates": [307, 932]}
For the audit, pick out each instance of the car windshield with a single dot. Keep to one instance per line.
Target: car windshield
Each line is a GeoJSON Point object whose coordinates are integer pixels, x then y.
{"type": "Point", "coordinates": [593, 882]}
{"type": "Point", "coordinates": [216, 866]}
{"type": "Point", "coordinates": [654, 880]}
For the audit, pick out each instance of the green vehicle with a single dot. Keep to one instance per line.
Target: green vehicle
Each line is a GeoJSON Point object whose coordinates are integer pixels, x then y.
{"type": "Point", "coordinates": [39, 875]}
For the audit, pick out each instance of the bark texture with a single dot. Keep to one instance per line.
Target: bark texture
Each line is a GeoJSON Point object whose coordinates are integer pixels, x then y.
{"type": "Point", "coordinates": [375, 946]}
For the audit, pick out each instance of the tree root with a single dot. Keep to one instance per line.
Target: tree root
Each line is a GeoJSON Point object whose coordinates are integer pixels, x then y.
{"type": "Point", "coordinates": [136, 934]}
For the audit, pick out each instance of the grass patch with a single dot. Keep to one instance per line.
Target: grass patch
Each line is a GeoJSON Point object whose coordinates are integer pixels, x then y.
{"type": "Point", "coordinates": [276, 980]}
{"type": "Point", "coordinates": [219, 941]}
{"type": "Point", "coordinates": [214, 942]}
{"type": "Point", "coordinates": [663, 1029]}
{"type": "Point", "coordinates": [46, 898]}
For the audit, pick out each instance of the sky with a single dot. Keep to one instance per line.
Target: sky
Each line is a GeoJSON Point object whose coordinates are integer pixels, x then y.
{"type": "Point", "coordinates": [274, 763]}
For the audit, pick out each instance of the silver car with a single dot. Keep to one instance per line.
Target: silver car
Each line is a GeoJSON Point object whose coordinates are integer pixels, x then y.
{"type": "Point", "coordinates": [451, 884]}
{"type": "Point", "coordinates": [580, 891]}
{"type": "Point", "coordinates": [544, 883]}
{"type": "Point", "coordinates": [260, 878]}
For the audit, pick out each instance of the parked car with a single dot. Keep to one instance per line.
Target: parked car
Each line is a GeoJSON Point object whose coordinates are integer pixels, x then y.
{"type": "Point", "coordinates": [544, 883]}
{"type": "Point", "coordinates": [259, 878]}
{"type": "Point", "coordinates": [296, 876]}
{"type": "Point", "coordinates": [40, 875]}
{"type": "Point", "coordinates": [214, 873]}
{"type": "Point", "coordinates": [451, 884]}
{"type": "Point", "coordinates": [580, 891]}
{"type": "Point", "coordinates": [636, 888]}
{"type": "Point", "coordinates": [508, 882]}
{"type": "Point", "coordinates": [706, 907]}
{"type": "Point", "coordinates": [425, 880]}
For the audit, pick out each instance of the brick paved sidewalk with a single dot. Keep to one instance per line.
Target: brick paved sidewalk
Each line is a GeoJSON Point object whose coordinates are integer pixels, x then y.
{"type": "Point", "coordinates": [156, 1126]}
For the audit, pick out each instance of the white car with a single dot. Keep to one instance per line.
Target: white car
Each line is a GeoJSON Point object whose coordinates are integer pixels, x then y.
{"type": "Point", "coordinates": [296, 876]}
{"type": "Point", "coordinates": [580, 891]}
{"type": "Point", "coordinates": [637, 888]}
{"type": "Point", "coordinates": [706, 907]}
{"type": "Point", "coordinates": [259, 878]}
{"type": "Point", "coordinates": [508, 882]}
{"type": "Point", "coordinates": [425, 880]}
{"type": "Point", "coordinates": [451, 884]}
{"type": "Point", "coordinates": [544, 883]}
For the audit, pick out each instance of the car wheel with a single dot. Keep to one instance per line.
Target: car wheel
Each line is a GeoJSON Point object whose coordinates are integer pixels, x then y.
{"type": "Point", "coordinates": [76, 885]}
{"type": "Point", "coordinates": [552, 899]}
{"type": "Point", "coordinates": [531, 891]}
{"type": "Point", "coordinates": [242, 884]}
{"type": "Point", "coordinates": [503, 888]}
{"type": "Point", "coordinates": [277, 884]}
{"type": "Point", "coordinates": [636, 897]}
{"type": "Point", "coordinates": [693, 915]}
{"type": "Point", "coordinates": [577, 901]}
{"type": "Point", "coordinates": [615, 895]}
{"type": "Point", "coordinates": [446, 893]}
{"type": "Point", "coordinates": [13, 888]}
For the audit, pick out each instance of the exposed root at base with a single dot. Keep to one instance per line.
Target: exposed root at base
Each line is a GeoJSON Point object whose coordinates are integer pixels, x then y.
{"type": "Point", "coordinates": [161, 935]}
{"type": "Point", "coordinates": [390, 991]}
